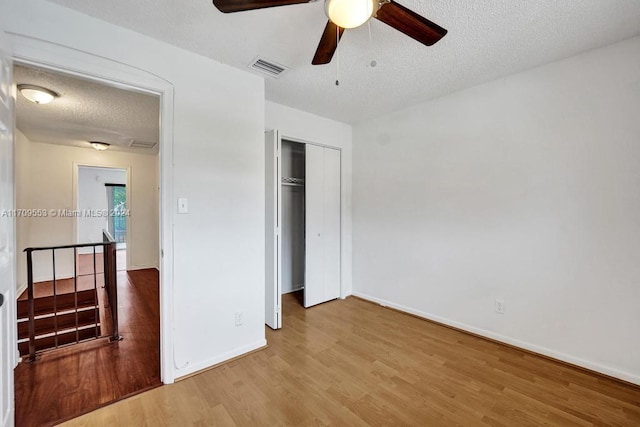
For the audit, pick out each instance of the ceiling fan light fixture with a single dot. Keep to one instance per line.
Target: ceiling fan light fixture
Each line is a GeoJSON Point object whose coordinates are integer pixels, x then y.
{"type": "Point", "coordinates": [100, 146]}
{"type": "Point", "coordinates": [36, 94]}
{"type": "Point", "coordinates": [350, 13]}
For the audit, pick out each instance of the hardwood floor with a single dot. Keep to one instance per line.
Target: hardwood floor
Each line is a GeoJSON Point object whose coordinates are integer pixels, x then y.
{"type": "Point", "coordinates": [353, 363]}
{"type": "Point", "coordinates": [71, 381]}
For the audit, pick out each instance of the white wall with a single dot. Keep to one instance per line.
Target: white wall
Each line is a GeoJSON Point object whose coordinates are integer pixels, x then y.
{"type": "Point", "coordinates": [45, 180]}
{"type": "Point", "coordinates": [218, 156]}
{"type": "Point", "coordinates": [92, 196]}
{"type": "Point", "coordinates": [22, 182]}
{"type": "Point", "coordinates": [523, 189]}
{"type": "Point", "coordinates": [299, 125]}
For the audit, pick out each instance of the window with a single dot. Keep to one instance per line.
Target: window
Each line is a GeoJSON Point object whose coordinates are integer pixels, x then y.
{"type": "Point", "coordinates": [117, 202]}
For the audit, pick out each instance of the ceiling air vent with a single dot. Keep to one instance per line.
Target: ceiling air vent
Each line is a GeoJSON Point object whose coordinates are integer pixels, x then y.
{"type": "Point", "coordinates": [143, 144]}
{"type": "Point", "coordinates": [267, 68]}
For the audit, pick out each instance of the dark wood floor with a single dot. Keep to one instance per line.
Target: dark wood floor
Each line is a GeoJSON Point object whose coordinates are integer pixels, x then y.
{"type": "Point", "coordinates": [68, 382]}
{"type": "Point", "coordinates": [353, 363]}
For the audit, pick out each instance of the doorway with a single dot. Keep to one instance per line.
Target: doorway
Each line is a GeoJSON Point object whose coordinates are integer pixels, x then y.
{"type": "Point", "coordinates": [87, 191]}
{"type": "Point", "coordinates": [102, 203]}
{"type": "Point", "coordinates": [303, 227]}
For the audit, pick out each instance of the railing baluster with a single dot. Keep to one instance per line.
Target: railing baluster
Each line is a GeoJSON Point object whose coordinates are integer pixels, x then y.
{"type": "Point", "coordinates": [55, 300]}
{"type": "Point", "coordinates": [95, 289]}
{"type": "Point", "coordinates": [32, 338]}
{"type": "Point", "coordinates": [114, 291]}
{"type": "Point", "coordinates": [75, 289]}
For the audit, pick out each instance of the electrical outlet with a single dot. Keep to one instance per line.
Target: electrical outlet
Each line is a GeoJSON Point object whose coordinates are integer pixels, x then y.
{"type": "Point", "coordinates": [239, 319]}
{"type": "Point", "coordinates": [500, 306]}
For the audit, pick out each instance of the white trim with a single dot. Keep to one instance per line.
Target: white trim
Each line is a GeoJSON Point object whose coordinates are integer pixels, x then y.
{"type": "Point", "coordinates": [299, 288]}
{"type": "Point", "coordinates": [141, 267]}
{"type": "Point", "coordinates": [189, 369]}
{"type": "Point", "coordinates": [60, 275]}
{"type": "Point", "coordinates": [44, 54]}
{"type": "Point", "coordinates": [593, 366]}
{"type": "Point", "coordinates": [21, 289]}
{"type": "Point", "coordinates": [9, 417]}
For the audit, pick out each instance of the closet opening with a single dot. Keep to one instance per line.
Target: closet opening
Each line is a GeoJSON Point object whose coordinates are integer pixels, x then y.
{"type": "Point", "coordinates": [293, 219]}
{"type": "Point", "coordinates": [302, 224]}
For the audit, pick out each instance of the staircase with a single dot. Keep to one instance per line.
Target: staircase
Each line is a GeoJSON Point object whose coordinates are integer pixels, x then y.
{"type": "Point", "coordinates": [59, 320]}
{"type": "Point", "coordinates": [62, 312]}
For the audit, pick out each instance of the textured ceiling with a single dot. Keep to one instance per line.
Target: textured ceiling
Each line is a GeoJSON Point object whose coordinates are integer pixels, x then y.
{"type": "Point", "coordinates": [486, 40]}
{"type": "Point", "coordinates": [86, 111]}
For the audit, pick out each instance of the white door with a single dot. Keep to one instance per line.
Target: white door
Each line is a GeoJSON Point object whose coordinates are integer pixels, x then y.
{"type": "Point", "coordinates": [331, 224]}
{"type": "Point", "coordinates": [273, 246]}
{"type": "Point", "coordinates": [322, 225]}
{"type": "Point", "coordinates": [7, 240]}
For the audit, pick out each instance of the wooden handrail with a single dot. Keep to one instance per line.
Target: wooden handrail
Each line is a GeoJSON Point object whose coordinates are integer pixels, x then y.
{"type": "Point", "coordinates": [110, 284]}
{"type": "Point", "coordinates": [79, 245]}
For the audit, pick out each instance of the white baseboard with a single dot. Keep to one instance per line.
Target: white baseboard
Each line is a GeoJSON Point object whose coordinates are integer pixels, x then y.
{"type": "Point", "coordinates": [199, 366]}
{"type": "Point", "coordinates": [606, 370]}
{"type": "Point", "coordinates": [142, 267]}
{"type": "Point", "coordinates": [293, 290]}
{"type": "Point", "coordinates": [48, 278]}
{"type": "Point", "coordinates": [21, 289]}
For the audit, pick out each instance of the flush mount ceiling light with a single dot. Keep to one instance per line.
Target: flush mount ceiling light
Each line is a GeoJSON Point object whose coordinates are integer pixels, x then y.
{"type": "Point", "coordinates": [350, 13]}
{"type": "Point", "coordinates": [100, 146]}
{"type": "Point", "coordinates": [37, 94]}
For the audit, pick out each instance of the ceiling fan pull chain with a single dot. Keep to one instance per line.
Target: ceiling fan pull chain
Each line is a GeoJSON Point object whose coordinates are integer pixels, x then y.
{"type": "Point", "coordinates": [337, 55]}
{"type": "Point", "coordinates": [373, 62]}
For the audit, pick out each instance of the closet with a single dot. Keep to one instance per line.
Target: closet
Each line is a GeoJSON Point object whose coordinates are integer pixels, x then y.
{"type": "Point", "coordinates": [302, 223]}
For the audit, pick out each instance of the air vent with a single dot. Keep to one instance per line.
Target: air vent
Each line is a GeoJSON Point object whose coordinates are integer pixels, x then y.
{"type": "Point", "coordinates": [143, 144]}
{"type": "Point", "coordinates": [267, 68]}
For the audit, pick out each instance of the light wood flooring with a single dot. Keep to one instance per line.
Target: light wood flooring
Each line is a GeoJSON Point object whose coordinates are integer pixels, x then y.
{"type": "Point", "coordinates": [353, 363]}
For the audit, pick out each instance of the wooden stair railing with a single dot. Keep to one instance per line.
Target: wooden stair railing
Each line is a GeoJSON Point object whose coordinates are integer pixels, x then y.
{"type": "Point", "coordinates": [61, 319]}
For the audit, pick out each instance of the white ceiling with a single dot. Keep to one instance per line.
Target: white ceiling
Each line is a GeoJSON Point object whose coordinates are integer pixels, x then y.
{"type": "Point", "coordinates": [86, 111]}
{"type": "Point", "coordinates": [486, 40]}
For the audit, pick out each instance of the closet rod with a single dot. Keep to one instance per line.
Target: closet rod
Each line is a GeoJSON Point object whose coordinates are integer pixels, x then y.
{"type": "Point", "coordinates": [286, 180]}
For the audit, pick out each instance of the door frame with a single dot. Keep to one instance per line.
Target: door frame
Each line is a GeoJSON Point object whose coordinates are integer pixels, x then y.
{"type": "Point", "coordinates": [43, 54]}
{"type": "Point", "coordinates": [8, 339]}
{"type": "Point", "coordinates": [74, 198]}
{"type": "Point", "coordinates": [282, 137]}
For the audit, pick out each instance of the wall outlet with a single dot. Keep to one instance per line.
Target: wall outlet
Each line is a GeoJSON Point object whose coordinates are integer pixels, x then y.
{"type": "Point", "coordinates": [239, 318]}
{"type": "Point", "coordinates": [500, 306]}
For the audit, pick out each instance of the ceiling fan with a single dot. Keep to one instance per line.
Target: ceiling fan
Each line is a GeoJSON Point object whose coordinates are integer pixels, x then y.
{"type": "Point", "coordinates": [350, 14]}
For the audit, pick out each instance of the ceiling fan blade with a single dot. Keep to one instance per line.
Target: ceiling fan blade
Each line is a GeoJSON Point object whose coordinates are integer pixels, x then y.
{"type": "Point", "coordinates": [328, 44]}
{"type": "Point", "coordinates": [410, 23]}
{"type": "Point", "coordinates": [227, 6]}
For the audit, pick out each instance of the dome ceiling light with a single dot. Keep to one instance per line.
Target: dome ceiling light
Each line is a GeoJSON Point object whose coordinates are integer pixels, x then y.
{"type": "Point", "coordinates": [36, 94]}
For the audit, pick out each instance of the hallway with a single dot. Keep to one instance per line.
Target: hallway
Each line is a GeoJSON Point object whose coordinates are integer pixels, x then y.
{"type": "Point", "coordinates": [68, 382]}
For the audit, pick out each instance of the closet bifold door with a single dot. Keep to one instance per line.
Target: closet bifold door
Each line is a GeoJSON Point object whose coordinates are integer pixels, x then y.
{"type": "Point", "coordinates": [322, 225]}
{"type": "Point", "coordinates": [273, 246]}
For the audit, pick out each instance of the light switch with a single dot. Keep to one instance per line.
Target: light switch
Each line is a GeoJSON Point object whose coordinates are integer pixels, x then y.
{"type": "Point", "coordinates": [183, 206]}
